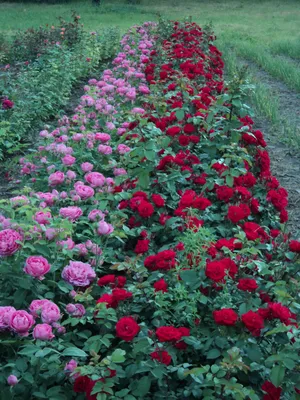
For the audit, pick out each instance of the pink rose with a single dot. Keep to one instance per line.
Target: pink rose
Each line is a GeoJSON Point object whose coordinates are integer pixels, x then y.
{"type": "Point", "coordinates": [86, 167]}
{"type": "Point", "coordinates": [71, 175]}
{"type": "Point", "coordinates": [36, 306]}
{"type": "Point", "coordinates": [76, 310]}
{"type": "Point", "coordinates": [43, 332]}
{"type": "Point", "coordinates": [85, 192]}
{"type": "Point", "coordinates": [103, 137]}
{"type": "Point", "coordinates": [5, 315]}
{"type": "Point", "coordinates": [36, 266]}
{"type": "Point", "coordinates": [96, 214]}
{"type": "Point", "coordinates": [68, 244]}
{"type": "Point", "coordinates": [42, 217]}
{"type": "Point", "coordinates": [78, 273]}
{"type": "Point", "coordinates": [122, 149]}
{"type": "Point", "coordinates": [120, 171]}
{"type": "Point", "coordinates": [50, 313]}
{"type": "Point", "coordinates": [104, 228]}
{"type": "Point", "coordinates": [20, 322]}
{"type": "Point", "coordinates": [71, 212]}
{"type": "Point", "coordinates": [8, 242]}
{"type": "Point", "coordinates": [56, 178]}
{"type": "Point", "coordinates": [50, 233]}
{"type": "Point", "coordinates": [70, 366]}
{"type": "Point", "coordinates": [47, 197]}
{"type": "Point", "coordinates": [12, 380]}
{"type": "Point", "coordinates": [95, 179]}
{"type": "Point", "coordinates": [68, 160]}
{"type": "Point", "coordinates": [19, 201]}
{"type": "Point", "coordinates": [102, 148]}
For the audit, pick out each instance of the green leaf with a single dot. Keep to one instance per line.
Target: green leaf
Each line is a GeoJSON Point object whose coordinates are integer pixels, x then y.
{"type": "Point", "coordinates": [213, 353]}
{"type": "Point", "coordinates": [144, 179]}
{"type": "Point", "coordinates": [179, 114]}
{"type": "Point", "coordinates": [277, 375]}
{"type": "Point", "coordinates": [118, 356]}
{"type": "Point", "coordinates": [74, 352]}
{"type": "Point", "coordinates": [142, 387]}
{"type": "Point", "coordinates": [190, 278]}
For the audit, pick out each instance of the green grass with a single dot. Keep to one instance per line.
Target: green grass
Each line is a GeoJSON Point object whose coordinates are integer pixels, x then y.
{"type": "Point", "coordinates": [287, 48]}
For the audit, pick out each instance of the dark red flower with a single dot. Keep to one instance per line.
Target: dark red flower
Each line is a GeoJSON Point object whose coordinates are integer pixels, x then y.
{"type": "Point", "coordinates": [145, 209]}
{"type": "Point", "coordinates": [226, 316]}
{"type": "Point", "coordinates": [247, 284]}
{"type": "Point", "coordinates": [142, 246]}
{"type": "Point", "coordinates": [238, 213]}
{"type": "Point", "coordinates": [7, 104]}
{"type": "Point", "coordinates": [161, 286]}
{"type": "Point", "coordinates": [215, 270]}
{"type": "Point", "coordinates": [253, 322]}
{"type": "Point", "coordinates": [158, 200]}
{"type": "Point", "coordinates": [81, 383]}
{"type": "Point", "coordinates": [127, 328]}
{"type": "Point", "coordinates": [168, 334]}
{"type": "Point", "coordinates": [161, 356]}
{"type": "Point", "coordinates": [273, 392]}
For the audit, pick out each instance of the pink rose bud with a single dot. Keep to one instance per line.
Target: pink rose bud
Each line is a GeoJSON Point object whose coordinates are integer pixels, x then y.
{"type": "Point", "coordinates": [43, 332]}
{"type": "Point", "coordinates": [56, 178]}
{"type": "Point", "coordinates": [73, 293]}
{"type": "Point", "coordinates": [70, 366]}
{"type": "Point", "coordinates": [36, 266]}
{"type": "Point", "coordinates": [12, 380]}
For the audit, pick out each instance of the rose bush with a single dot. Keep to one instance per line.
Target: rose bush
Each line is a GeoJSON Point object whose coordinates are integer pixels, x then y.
{"type": "Point", "coordinates": [171, 271]}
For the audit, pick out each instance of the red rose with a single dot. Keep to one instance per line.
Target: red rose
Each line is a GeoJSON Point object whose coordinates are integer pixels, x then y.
{"type": "Point", "coordinates": [281, 312]}
{"type": "Point", "coordinates": [294, 246]}
{"type": "Point", "coordinates": [247, 284]}
{"type": "Point", "coordinates": [253, 322]}
{"type": "Point", "coordinates": [215, 271]}
{"type": "Point", "coordinates": [7, 104]}
{"type": "Point", "coordinates": [106, 280]}
{"type": "Point", "coordinates": [80, 384]}
{"type": "Point", "coordinates": [201, 203]}
{"type": "Point", "coordinates": [121, 294]}
{"type": "Point", "coordinates": [188, 129]}
{"type": "Point", "coordinates": [108, 299]}
{"type": "Point", "coordinates": [145, 209]}
{"type": "Point", "coordinates": [127, 328]}
{"type": "Point", "coordinates": [168, 334]}
{"type": "Point", "coordinates": [237, 213]}
{"type": "Point", "coordinates": [184, 332]}
{"type": "Point", "coordinates": [158, 200]}
{"type": "Point", "coordinates": [142, 246]}
{"type": "Point", "coordinates": [161, 356]}
{"type": "Point", "coordinates": [226, 316]}
{"type": "Point", "coordinates": [173, 131]}
{"type": "Point", "coordinates": [224, 193]}
{"type": "Point", "coordinates": [161, 286]}
{"type": "Point", "coordinates": [273, 392]}
{"type": "Point", "coordinates": [184, 140]}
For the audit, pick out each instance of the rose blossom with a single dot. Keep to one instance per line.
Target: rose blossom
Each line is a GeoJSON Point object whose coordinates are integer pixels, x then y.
{"type": "Point", "coordinates": [127, 328]}
{"type": "Point", "coordinates": [18, 201]}
{"type": "Point", "coordinates": [78, 273]}
{"type": "Point", "coordinates": [56, 178]}
{"type": "Point", "coordinates": [20, 322]}
{"type": "Point", "coordinates": [5, 315]}
{"type": "Point", "coordinates": [85, 192]}
{"type": "Point", "coordinates": [71, 366]}
{"type": "Point", "coordinates": [103, 137]}
{"type": "Point", "coordinates": [42, 217]}
{"type": "Point", "coordinates": [50, 313]}
{"type": "Point", "coordinates": [36, 266]}
{"type": "Point", "coordinates": [86, 167]}
{"type": "Point", "coordinates": [71, 212]}
{"type": "Point", "coordinates": [43, 332]}
{"type": "Point", "coordinates": [76, 310]}
{"type": "Point", "coordinates": [36, 306]}
{"type": "Point", "coordinates": [96, 214]}
{"type": "Point", "coordinates": [8, 242]}
{"type": "Point", "coordinates": [12, 380]}
{"type": "Point", "coordinates": [95, 179]}
{"type": "Point", "coordinates": [104, 228]}
{"type": "Point", "coordinates": [68, 160]}
{"type": "Point", "coordinates": [102, 148]}
{"type": "Point", "coordinates": [122, 149]}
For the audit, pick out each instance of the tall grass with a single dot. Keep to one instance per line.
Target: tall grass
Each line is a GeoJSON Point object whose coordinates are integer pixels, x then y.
{"type": "Point", "coordinates": [287, 48]}
{"type": "Point", "coordinates": [276, 66]}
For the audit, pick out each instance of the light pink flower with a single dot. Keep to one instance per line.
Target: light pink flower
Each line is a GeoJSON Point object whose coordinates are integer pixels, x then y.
{"type": "Point", "coordinates": [43, 332]}
{"type": "Point", "coordinates": [86, 167]}
{"type": "Point", "coordinates": [103, 137]}
{"type": "Point", "coordinates": [71, 212]}
{"type": "Point", "coordinates": [78, 273]}
{"type": "Point", "coordinates": [102, 148]}
{"type": "Point", "coordinates": [19, 201]}
{"type": "Point", "coordinates": [69, 244]}
{"type": "Point", "coordinates": [70, 366]}
{"type": "Point", "coordinates": [68, 160]}
{"type": "Point", "coordinates": [122, 149]}
{"type": "Point", "coordinates": [12, 380]}
{"type": "Point", "coordinates": [120, 171]}
{"type": "Point", "coordinates": [37, 266]}
{"type": "Point", "coordinates": [42, 217]}
{"type": "Point", "coordinates": [36, 306]}
{"type": "Point", "coordinates": [76, 310]}
{"type": "Point", "coordinates": [96, 214]}
{"type": "Point", "coordinates": [5, 314]}
{"type": "Point", "coordinates": [71, 174]}
{"type": "Point", "coordinates": [50, 313]}
{"type": "Point", "coordinates": [8, 242]}
{"type": "Point", "coordinates": [20, 322]}
{"type": "Point", "coordinates": [85, 192]}
{"type": "Point", "coordinates": [104, 228]}
{"type": "Point", "coordinates": [56, 178]}
{"type": "Point", "coordinates": [95, 179]}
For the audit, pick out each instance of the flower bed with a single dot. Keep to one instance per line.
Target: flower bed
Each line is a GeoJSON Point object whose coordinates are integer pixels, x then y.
{"type": "Point", "coordinates": [148, 250]}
